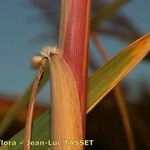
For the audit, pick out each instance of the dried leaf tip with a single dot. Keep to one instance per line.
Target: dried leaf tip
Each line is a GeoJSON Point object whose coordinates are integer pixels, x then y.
{"type": "Point", "coordinates": [44, 53]}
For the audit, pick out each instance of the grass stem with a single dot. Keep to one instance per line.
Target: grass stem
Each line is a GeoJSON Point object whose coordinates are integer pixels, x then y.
{"type": "Point", "coordinates": [28, 126]}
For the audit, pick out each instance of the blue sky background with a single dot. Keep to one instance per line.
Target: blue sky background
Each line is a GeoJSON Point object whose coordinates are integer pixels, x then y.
{"type": "Point", "coordinates": [18, 25]}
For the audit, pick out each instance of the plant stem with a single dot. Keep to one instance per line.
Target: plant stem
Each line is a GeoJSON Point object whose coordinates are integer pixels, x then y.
{"type": "Point", "coordinates": [28, 126]}
{"type": "Point", "coordinates": [20, 104]}
{"type": "Point", "coordinates": [73, 41]}
{"type": "Point", "coordinates": [119, 97]}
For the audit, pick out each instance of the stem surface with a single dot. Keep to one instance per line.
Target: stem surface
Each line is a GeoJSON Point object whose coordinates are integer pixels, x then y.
{"type": "Point", "coordinates": [73, 41]}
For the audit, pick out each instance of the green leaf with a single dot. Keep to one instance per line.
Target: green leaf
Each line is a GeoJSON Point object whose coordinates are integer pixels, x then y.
{"type": "Point", "coordinates": [100, 83]}
{"type": "Point", "coordinates": [103, 80]}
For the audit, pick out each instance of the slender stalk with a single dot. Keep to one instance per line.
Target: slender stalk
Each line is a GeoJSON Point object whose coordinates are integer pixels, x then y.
{"type": "Point", "coordinates": [119, 97]}
{"type": "Point", "coordinates": [20, 104]}
{"type": "Point", "coordinates": [73, 41]}
{"type": "Point", "coordinates": [28, 126]}
{"type": "Point", "coordinates": [125, 117]}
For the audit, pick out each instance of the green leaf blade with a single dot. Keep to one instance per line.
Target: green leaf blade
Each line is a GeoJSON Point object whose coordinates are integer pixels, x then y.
{"type": "Point", "coordinates": [103, 80]}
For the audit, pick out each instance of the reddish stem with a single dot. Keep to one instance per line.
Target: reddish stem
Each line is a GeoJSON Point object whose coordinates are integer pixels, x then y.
{"type": "Point", "coordinates": [75, 46]}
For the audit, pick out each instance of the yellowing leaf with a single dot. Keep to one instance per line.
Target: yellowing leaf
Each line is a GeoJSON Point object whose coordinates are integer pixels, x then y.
{"type": "Point", "coordinates": [66, 122]}
{"type": "Point", "coordinates": [103, 80]}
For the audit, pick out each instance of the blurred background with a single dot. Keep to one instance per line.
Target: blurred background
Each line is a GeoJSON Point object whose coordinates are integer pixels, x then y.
{"type": "Point", "coordinates": [27, 26]}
